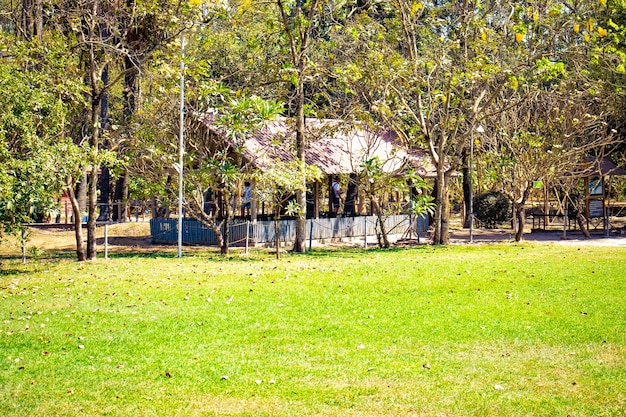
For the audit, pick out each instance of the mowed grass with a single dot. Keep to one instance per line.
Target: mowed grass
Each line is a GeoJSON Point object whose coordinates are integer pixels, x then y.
{"type": "Point", "coordinates": [503, 330]}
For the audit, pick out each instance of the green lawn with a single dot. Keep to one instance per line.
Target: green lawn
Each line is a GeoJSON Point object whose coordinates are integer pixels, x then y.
{"type": "Point", "coordinates": [505, 330]}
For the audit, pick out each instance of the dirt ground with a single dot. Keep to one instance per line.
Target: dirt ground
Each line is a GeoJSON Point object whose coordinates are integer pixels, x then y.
{"type": "Point", "coordinates": [134, 237]}
{"type": "Point", "coordinates": [571, 237]}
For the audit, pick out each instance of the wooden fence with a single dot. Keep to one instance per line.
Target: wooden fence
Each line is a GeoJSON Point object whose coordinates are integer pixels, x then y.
{"type": "Point", "coordinates": [263, 232]}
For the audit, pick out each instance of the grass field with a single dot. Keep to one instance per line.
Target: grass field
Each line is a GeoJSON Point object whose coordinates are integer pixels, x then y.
{"type": "Point", "coordinates": [502, 330]}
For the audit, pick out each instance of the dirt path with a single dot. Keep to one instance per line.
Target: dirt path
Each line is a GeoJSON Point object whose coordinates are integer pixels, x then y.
{"type": "Point", "coordinates": [574, 237]}
{"type": "Point", "coordinates": [135, 238]}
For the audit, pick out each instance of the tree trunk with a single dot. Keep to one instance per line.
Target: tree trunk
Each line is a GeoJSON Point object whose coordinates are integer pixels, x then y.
{"type": "Point", "coordinates": [91, 219]}
{"type": "Point", "coordinates": [217, 228]}
{"type": "Point", "coordinates": [382, 237]}
{"type": "Point", "coordinates": [93, 176]}
{"type": "Point", "coordinates": [445, 215]}
{"type": "Point", "coordinates": [78, 224]}
{"type": "Point", "coordinates": [520, 216]}
{"type": "Point", "coordinates": [383, 230]}
{"type": "Point", "coordinates": [130, 90]}
{"type": "Point", "coordinates": [39, 19]}
{"type": "Point", "coordinates": [441, 233]}
{"type": "Point", "coordinates": [154, 208]}
{"type": "Point", "coordinates": [27, 20]}
{"type": "Point", "coordinates": [580, 219]}
{"type": "Point", "coordinates": [121, 197]}
{"type": "Point", "coordinates": [197, 211]}
{"type": "Point", "coordinates": [299, 244]}
{"type": "Point", "coordinates": [81, 195]}
{"type": "Point", "coordinates": [224, 247]}
{"type": "Point", "coordinates": [130, 94]}
{"type": "Point", "coordinates": [277, 233]}
{"type": "Point", "coordinates": [104, 183]}
{"type": "Point", "coordinates": [467, 189]}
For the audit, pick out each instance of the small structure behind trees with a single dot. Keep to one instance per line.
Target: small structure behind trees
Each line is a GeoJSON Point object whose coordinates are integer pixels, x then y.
{"type": "Point", "coordinates": [383, 177]}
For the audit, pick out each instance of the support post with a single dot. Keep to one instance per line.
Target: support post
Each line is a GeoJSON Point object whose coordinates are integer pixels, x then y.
{"type": "Point", "coordinates": [471, 190]}
{"type": "Point", "coordinates": [247, 235]}
{"type": "Point", "coordinates": [311, 236]}
{"type": "Point", "coordinates": [181, 145]}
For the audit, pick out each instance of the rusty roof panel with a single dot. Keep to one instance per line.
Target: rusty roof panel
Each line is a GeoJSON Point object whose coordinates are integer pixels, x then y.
{"type": "Point", "coordinates": [334, 146]}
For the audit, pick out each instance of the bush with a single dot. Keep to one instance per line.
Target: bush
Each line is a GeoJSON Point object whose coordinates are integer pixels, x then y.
{"type": "Point", "coordinates": [492, 208]}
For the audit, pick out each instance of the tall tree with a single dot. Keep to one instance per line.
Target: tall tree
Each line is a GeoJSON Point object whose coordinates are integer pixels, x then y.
{"type": "Point", "coordinates": [544, 138]}
{"type": "Point", "coordinates": [434, 70]}
{"type": "Point", "coordinates": [298, 20]}
{"type": "Point", "coordinates": [36, 152]}
{"type": "Point", "coordinates": [101, 31]}
{"type": "Point", "coordinates": [559, 111]}
{"type": "Point", "coordinates": [428, 72]}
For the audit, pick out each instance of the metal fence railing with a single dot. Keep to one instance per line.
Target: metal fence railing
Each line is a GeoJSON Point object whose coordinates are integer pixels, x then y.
{"type": "Point", "coordinates": [263, 232]}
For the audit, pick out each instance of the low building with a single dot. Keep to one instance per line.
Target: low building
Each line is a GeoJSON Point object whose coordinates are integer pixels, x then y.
{"type": "Point", "coordinates": [336, 147]}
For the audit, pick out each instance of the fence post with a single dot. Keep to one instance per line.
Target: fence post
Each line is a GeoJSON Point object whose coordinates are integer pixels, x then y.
{"type": "Point", "coordinates": [311, 236]}
{"type": "Point", "coordinates": [247, 235]}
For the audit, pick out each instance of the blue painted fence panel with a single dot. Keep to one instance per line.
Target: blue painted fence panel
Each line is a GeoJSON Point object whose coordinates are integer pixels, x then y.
{"type": "Point", "coordinates": [195, 233]}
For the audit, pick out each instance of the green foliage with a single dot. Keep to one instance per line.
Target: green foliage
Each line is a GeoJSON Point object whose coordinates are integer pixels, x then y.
{"type": "Point", "coordinates": [279, 182]}
{"type": "Point", "coordinates": [378, 184]}
{"type": "Point", "coordinates": [36, 153]}
{"type": "Point", "coordinates": [549, 70]}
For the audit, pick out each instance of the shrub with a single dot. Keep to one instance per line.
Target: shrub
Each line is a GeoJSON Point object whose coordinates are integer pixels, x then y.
{"type": "Point", "coordinates": [492, 208]}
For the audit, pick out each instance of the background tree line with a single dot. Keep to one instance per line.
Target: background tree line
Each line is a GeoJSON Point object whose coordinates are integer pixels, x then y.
{"type": "Point", "coordinates": [90, 99]}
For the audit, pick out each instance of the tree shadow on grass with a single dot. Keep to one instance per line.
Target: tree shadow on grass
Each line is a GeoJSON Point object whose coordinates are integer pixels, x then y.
{"type": "Point", "coordinates": [143, 248]}
{"type": "Point", "coordinates": [356, 252]}
{"type": "Point", "coordinates": [10, 271]}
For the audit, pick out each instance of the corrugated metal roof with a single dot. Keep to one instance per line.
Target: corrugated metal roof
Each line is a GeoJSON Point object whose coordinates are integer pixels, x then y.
{"type": "Point", "coordinates": [608, 167]}
{"type": "Point", "coordinates": [603, 166]}
{"type": "Point", "coordinates": [334, 146]}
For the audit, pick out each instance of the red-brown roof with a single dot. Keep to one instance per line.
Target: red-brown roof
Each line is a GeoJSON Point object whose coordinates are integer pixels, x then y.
{"type": "Point", "coordinates": [334, 146]}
